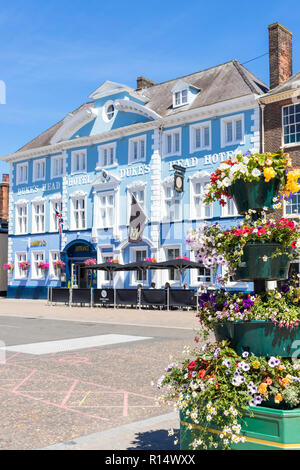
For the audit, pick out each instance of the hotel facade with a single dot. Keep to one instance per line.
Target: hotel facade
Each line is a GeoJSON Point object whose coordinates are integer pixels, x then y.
{"type": "Point", "coordinates": [124, 142]}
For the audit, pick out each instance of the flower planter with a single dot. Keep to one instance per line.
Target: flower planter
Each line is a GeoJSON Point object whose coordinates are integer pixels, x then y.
{"type": "Point", "coordinates": [254, 267]}
{"type": "Point", "coordinates": [254, 195]}
{"type": "Point", "coordinates": [262, 338]}
{"type": "Point", "coordinates": [264, 429]}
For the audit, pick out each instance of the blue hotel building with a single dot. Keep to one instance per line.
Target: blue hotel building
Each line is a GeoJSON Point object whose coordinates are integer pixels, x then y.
{"type": "Point", "coordinates": [125, 141]}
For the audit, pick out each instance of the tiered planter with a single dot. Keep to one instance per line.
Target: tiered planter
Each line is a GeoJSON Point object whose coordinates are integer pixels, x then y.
{"type": "Point", "coordinates": [262, 338]}
{"type": "Point", "coordinates": [264, 429]}
{"type": "Point", "coordinates": [254, 267]}
{"type": "Point", "coordinates": [254, 195]}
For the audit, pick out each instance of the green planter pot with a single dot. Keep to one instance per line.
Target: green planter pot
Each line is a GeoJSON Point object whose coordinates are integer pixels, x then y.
{"type": "Point", "coordinates": [262, 338]}
{"type": "Point", "coordinates": [253, 267]}
{"type": "Point", "coordinates": [266, 429]}
{"type": "Point", "coordinates": [254, 195]}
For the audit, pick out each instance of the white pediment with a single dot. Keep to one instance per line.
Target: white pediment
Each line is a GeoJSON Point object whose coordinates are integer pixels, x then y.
{"type": "Point", "coordinates": [73, 122]}
{"type": "Point", "coordinates": [182, 85]}
{"type": "Point", "coordinates": [104, 180]}
{"type": "Point", "coordinates": [109, 88]}
{"type": "Point", "coordinates": [129, 106]}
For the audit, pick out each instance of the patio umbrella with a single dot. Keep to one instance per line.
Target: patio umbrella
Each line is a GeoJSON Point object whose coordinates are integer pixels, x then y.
{"type": "Point", "coordinates": [111, 268]}
{"type": "Point", "coordinates": [180, 264]}
{"type": "Point", "coordinates": [142, 266]}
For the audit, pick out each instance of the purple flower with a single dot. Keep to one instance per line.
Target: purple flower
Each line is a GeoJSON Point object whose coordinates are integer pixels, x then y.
{"type": "Point", "coordinates": [285, 288]}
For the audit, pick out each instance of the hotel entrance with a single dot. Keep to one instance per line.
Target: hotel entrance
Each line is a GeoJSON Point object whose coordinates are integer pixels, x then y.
{"type": "Point", "coordinates": [74, 256]}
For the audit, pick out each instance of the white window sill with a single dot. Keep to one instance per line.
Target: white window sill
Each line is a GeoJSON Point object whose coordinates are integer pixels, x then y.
{"type": "Point", "coordinates": [166, 155]}
{"type": "Point", "coordinates": [79, 172]}
{"type": "Point", "coordinates": [77, 229]}
{"type": "Point", "coordinates": [107, 167]}
{"type": "Point", "coordinates": [36, 180]}
{"type": "Point", "coordinates": [136, 161]}
{"type": "Point", "coordinates": [200, 149]}
{"type": "Point", "coordinates": [230, 216]}
{"type": "Point", "coordinates": [21, 182]}
{"type": "Point", "coordinates": [230, 144]}
{"type": "Point", "coordinates": [38, 278]}
{"type": "Point", "coordinates": [17, 278]}
{"type": "Point", "coordinates": [291, 216]}
{"type": "Point", "coordinates": [294, 144]}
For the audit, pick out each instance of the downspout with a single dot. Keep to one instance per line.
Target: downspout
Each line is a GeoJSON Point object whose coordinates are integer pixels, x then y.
{"type": "Point", "coordinates": [262, 107]}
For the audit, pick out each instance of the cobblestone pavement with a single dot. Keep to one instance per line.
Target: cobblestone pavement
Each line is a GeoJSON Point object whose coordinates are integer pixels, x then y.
{"type": "Point", "coordinates": [54, 398]}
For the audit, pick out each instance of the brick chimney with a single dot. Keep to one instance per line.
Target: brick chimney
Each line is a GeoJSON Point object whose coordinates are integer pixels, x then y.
{"type": "Point", "coordinates": [280, 54]}
{"type": "Point", "coordinates": [143, 82]}
{"type": "Point", "coordinates": [4, 186]}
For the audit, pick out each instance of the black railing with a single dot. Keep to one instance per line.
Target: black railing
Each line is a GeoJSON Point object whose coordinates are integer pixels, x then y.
{"type": "Point", "coordinates": [128, 297]}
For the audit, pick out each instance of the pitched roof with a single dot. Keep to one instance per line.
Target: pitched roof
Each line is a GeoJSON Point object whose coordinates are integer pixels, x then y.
{"type": "Point", "coordinates": [290, 84]}
{"type": "Point", "coordinates": [219, 83]}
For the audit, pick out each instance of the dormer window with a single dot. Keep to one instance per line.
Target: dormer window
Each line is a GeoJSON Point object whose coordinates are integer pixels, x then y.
{"type": "Point", "coordinates": [183, 93]}
{"type": "Point", "coordinates": [181, 97]}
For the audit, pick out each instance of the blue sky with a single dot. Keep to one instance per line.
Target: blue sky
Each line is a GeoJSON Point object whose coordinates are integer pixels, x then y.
{"type": "Point", "coordinates": [54, 54]}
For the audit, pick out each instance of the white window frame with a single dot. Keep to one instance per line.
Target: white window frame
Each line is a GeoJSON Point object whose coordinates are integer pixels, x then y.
{"type": "Point", "coordinates": [234, 284]}
{"type": "Point", "coordinates": [165, 136]}
{"type": "Point", "coordinates": [37, 273]}
{"type": "Point", "coordinates": [224, 209]}
{"type": "Point", "coordinates": [101, 151]}
{"type": "Point", "coordinates": [166, 272]}
{"type": "Point", "coordinates": [181, 102]}
{"type": "Point", "coordinates": [34, 228]}
{"type": "Point", "coordinates": [101, 281]}
{"type": "Point", "coordinates": [73, 198]}
{"type": "Point", "coordinates": [106, 194]}
{"type": "Point", "coordinates": [17, 226]}
{"type": "Point", "coordinates": [54, 255]}
{"type": "Point", "coordinates": [53, 218]}
{"type": "Point", "coordinates": [56, 158]}
{"type": "Point", "coordinates": [133, 274]}
{"type": "Point", "coordinates": [174, 196]}
{"type": "Point", "coordinates": [291, 216]}
{"type": "Point", "coordinates": [19, 167]}
{"type": "Point", "coordinates": [203, 181]}
{"type": "Point", "coordinates": [74, 155]}
{"type": "Point", "coordinates": [36, 163]}
{"type": "Point", "coordinates": [232, 119]}
{"type": "Point", "coordinates": [200, 126]}
{"type": "Point", "coordinates": [290, 144]}
{"type": "Point", "coordinates": [19, 273]}
{"type": "Point", "coordinates": [194, 282]}
{"type": "Point", "coordinates": [131, 145]}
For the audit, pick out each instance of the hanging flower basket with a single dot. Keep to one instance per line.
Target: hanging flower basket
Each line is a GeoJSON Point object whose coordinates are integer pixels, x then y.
{"type": "Point", "coordinates": [253, 181]}
{"type": "Point", "coordinates": [90, 262]}
{"type": "Point", "coordinates": [8, 267]}
{"type": "Point", "coordinates": [43, 266]}
{"type": "Point", "coordinates": [59, 265]}
{"type": "Point", "coordinates": [24, 266]}
{"type": "Point", "coordinates": [151, 260]}
{"type": "Point", "coordinates": [183, 257]}
{"type": "Point", "coordinates": [254, 195]}
{"type": "Point", "coordinates": [111, 260]}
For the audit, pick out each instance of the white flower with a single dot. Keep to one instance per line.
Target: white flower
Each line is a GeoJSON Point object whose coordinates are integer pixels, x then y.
{"type": "Point", "coordinates": [256, 172]}
{"type": "Point", "coordinates": [265, 258]}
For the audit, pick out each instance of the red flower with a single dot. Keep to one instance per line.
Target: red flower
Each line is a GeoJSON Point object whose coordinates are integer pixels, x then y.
{"type": "Point", "coordinates": [262, 231]}
{"type": "Point", "coordinates": [222, 202]}
{"type": "Point", "coordinates": [201, 373]}
{"type": "Point", "coordinates": [238, 233]}
{"type": "Point", "coordinates": [192, 365]}
{"type": "Point", "coordinates": [294, 246]}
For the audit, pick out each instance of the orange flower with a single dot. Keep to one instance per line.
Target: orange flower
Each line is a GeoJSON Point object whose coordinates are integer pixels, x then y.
{"type": "Point", "coordinates": [263, 388]}
{"type": "Point", "coordinates": [268, 380]}
{"type": "Point", "coordinates": [286, 381]}
{"type": "Point", "coordinates": [278, 398]}
{"type": "Point", "coordinates": [255, 364]}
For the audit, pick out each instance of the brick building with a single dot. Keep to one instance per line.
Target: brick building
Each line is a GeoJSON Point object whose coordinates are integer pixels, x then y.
{"type": "Point", "coordinates": [280, 108]}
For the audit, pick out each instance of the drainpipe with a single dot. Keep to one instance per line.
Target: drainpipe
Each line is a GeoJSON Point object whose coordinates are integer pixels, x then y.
{"type": "Point", "coordinates": [262, 107]}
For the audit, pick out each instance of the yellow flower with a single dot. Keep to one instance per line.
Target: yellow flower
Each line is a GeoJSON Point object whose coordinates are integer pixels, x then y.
{"type": "Point", "coordinates": [269, 173]}
{"type": "Point", "coordinates": [255, 364]}
{"type": "Point", "coordinates": [292, 185]}
{"type": "Point", "coordinates": [278, 398]}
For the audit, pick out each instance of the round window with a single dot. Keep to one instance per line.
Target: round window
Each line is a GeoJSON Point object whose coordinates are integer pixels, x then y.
{"type": "Point", "coordinates": [110, 112]}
